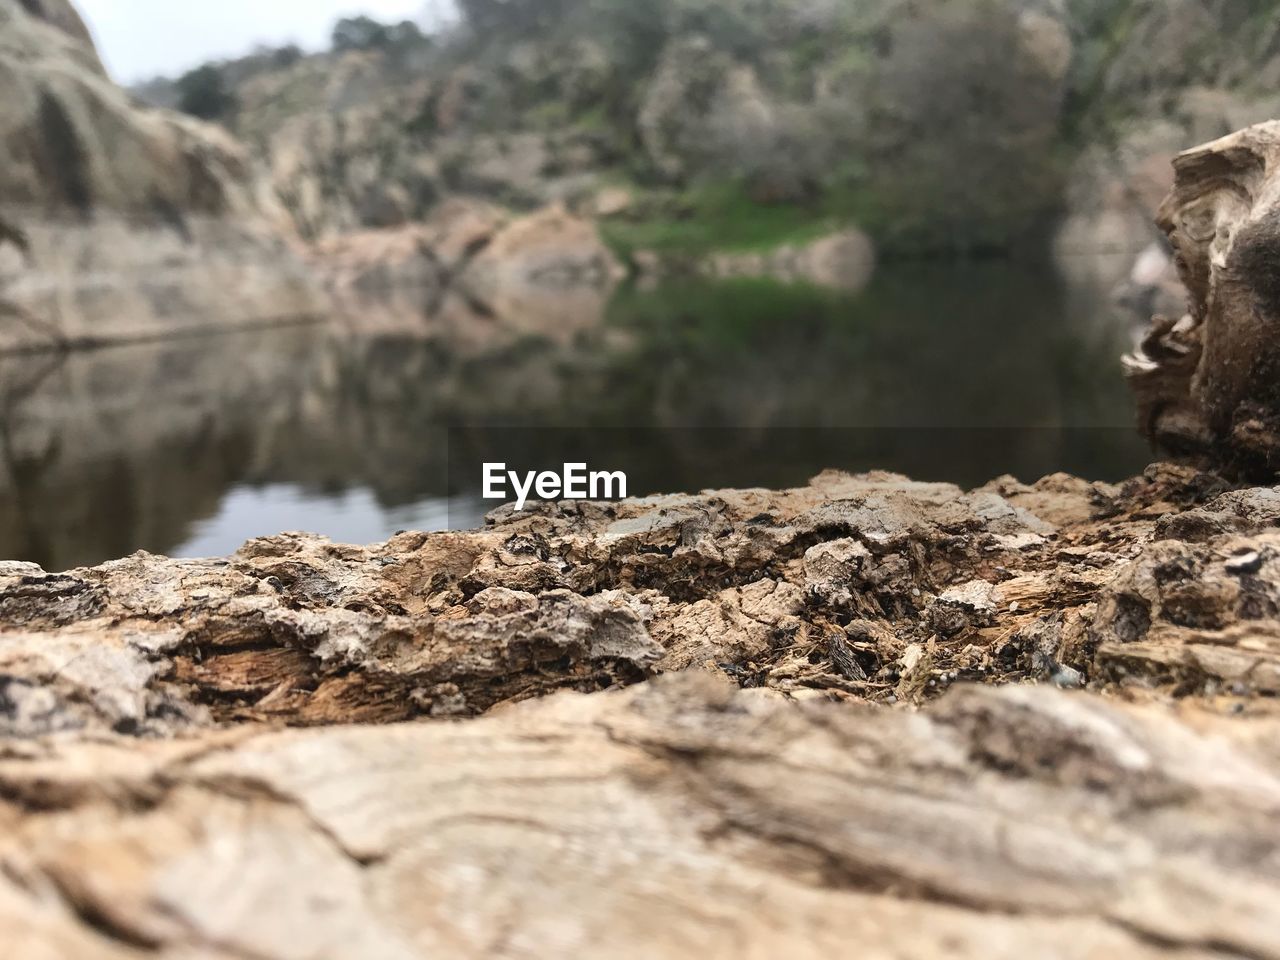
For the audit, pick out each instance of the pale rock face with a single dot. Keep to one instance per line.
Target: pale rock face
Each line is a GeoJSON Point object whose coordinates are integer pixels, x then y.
{"type": "Point", "coordinates": [693, 85]}
{"type": "Point", "coordinates": [612, 202]}
{"type": "Point", "coordinates": [1045, 39]}
{"type": "Point", "coordinates": [548, 248]}
{"type": "Point", "coordinates": [133, 222]}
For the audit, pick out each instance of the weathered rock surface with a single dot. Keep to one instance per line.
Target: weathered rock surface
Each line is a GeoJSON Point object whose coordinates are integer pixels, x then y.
{"type": "Point", "coordinates": [772, 789]}
{"type": "Point", "coordinates": [1206, 381]}
{"type": "Point", "coordinates": [118, 221]}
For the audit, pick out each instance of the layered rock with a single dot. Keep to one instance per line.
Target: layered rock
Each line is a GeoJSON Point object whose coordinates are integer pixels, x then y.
{"type": "Point", "coordinates": [767, 787]}
{"type": "Point", "coordinates": [118, 221]}
{"type": "Point", "coordinates": [1206, 380]}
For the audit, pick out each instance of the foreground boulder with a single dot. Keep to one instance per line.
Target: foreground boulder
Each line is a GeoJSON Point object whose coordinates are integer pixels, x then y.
{"type": "Point", "coordinates": [766, 785]}
{"type": "Point", "coordinates": [680, 817]}
{"type": "Point", "coordinates": [118, 221]}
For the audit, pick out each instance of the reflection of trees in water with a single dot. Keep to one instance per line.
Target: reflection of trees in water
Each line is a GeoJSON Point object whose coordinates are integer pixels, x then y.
{"type": "Point", "coordinates": [925, 345]}
{"type": "Point", "coordinates": [114, 450]}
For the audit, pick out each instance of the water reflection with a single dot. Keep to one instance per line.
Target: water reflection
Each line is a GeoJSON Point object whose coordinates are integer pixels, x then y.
{"type": "Point", "coordinates": [956, 372]}
{"type": "Point", "coordinates": [349, 516]}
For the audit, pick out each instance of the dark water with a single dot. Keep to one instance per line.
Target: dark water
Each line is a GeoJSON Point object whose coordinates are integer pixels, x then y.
{"type": "Point", "coordinates": [957, 373]}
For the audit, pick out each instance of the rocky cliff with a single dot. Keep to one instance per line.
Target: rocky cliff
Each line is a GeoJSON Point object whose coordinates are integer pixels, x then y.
{"type": "Point", "coordinates": [118, 221]}
{"type": "Point", "coordinates": [840, 111]}
{"type": "Point", "coordinates": [1005, 125]}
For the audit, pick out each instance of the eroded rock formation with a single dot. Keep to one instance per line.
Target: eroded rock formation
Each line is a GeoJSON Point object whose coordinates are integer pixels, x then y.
{"type": "Point", "coordinates": [119, 221]}
{"type": "Point", "coordinates": [854, 716]}
{"type": "Point", "coordinates": [1207, 381]}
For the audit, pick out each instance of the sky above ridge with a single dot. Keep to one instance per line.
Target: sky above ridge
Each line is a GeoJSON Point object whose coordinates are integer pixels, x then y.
{"type": "Point", "coordinates": [140, 39]}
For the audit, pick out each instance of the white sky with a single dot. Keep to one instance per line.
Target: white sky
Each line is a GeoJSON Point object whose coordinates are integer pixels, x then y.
{"type": "Point", "coordinates": [142, 38]}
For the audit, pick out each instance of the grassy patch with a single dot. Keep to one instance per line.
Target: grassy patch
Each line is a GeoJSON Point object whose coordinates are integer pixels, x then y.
{"type": "Point", "coordinates": [723, 315]}
{"type": "Point", "coordinates": [713, 218]}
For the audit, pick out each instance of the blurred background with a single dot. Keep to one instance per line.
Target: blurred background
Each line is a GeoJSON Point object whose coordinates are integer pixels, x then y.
{"type": "Point", "coordinates": [264, 266]}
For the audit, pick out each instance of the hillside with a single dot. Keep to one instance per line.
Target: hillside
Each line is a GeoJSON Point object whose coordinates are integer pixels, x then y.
{"type": "Point", "coordinates": [693, 125]}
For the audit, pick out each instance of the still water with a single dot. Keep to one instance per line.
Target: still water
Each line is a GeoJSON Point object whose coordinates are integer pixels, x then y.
{"type": "Point", "coordinates": [959, 372]}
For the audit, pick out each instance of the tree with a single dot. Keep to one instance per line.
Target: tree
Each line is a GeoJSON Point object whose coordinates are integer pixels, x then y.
{"type": "Point", "coordinates": [285, 56]}
{"type": "Point", "coordinates": [406, 33]}
{"type": "Point", "coordinates": [360, 33]}
{"type": "Point", "coordinates": [203, 93]}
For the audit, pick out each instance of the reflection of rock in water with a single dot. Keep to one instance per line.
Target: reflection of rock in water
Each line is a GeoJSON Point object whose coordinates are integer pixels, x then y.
{"type": "Point", "coordinates": [474, 275]}
{"type": "Point", "coordinates": [109, 451]}
{"type": "Point", "coordinates": [105, 452]}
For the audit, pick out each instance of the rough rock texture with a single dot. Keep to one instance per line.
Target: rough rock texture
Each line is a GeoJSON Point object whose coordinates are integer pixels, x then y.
{"type": "Point", "coordinates": [118, 221]}
{"type": "Point", "coordinates": [773, 789]}
{"type": "Point", "coordinates": [1207, 381]}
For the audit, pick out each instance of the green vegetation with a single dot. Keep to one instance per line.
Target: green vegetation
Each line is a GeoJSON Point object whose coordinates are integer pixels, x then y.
{"type": "Point", "coordinates": [718, 217]}
{"type": "Point", "coordinates": [366, 33]}
{"type": "Point", "coordinates": [941, 129]}
{"type": "Point", "coordinates": [203, 93]}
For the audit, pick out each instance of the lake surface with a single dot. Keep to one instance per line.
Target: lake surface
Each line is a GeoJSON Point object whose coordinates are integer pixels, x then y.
{"type": "Point", "coordinates": [947, 372]}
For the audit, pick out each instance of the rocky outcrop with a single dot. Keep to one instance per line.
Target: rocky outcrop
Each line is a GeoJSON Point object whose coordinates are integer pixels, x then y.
{"type": "Point", "coordinates": [1206, 380]}
{"type": "Point", "coordinates": [120, 222]}
{"type": "Point", "coordinates": [848, 112]}
{"type": "Point", "coordinates": [871, 586]}
{"type": "Point", "coordinates": [475, 273]}
{"type": "Point", "coordinates": [766, 780]}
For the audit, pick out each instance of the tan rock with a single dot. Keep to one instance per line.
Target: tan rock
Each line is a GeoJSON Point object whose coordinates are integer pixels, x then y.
{"type": "Point", "coordinates": [612, 201]}
{"type": "Point", "coordinates": [764, 797]}
{"type": "Point", "coordinates": [462, 227]}
{"type": "Point", "coordinates": [132, 222]}
{"type": "Point", "coordinates": [1206, 381]}
{"type": "Point", "coordinates": [549, 248]}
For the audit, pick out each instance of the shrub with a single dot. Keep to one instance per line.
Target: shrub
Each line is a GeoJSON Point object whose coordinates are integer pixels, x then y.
{"type": "Point", "coordinates": [203, 92]}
